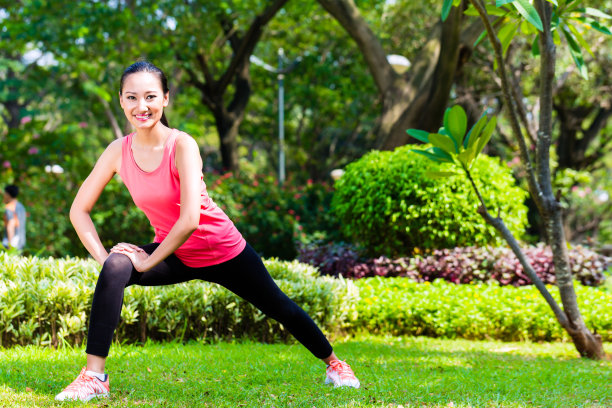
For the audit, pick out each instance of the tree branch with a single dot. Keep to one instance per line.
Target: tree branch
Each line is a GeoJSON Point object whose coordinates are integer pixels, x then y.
{"type": "Point", "coordinates": [243, 51]}
{"type": "Point", "coordinates": [500, 226]}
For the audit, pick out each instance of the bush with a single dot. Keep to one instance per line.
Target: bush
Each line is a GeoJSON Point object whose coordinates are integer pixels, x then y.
{"type": "Point", "coordinates": [386, 202]}
{"type": "Point", "coordinates": [274, 218]}
{"type": "Point", "coordinates": [483, 311]}
{"type": "Point", "coordinates": [458, 265]}
{"type": "Point", "coordinates": [47, 301]}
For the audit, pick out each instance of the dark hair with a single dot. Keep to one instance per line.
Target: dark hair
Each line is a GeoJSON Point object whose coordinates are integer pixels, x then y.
{"type": "Point", "coordinates": [12, 190]}
{"type": "Point", "coordinates": [146, 66]}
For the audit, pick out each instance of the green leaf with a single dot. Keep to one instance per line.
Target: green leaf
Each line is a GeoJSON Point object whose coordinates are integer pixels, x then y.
{"type": "Point", "coordinates": [535, 46]}
{"type": "Point", "coordinates": [429, 155]}
{"type": "Point", "coordinates": [480, 37]}
{"type": "Point", "coordinates": [556, 37]}
{"type": "Point", "coordinates": [418, 134]}
{"type": "Point", "coordinates": [596, 13]}
{"type": "Point", "coordinates": [491, 10]}
{"type": "Point", "coordinates": [525, 8]}
{"type": "Point", "coordinates": [446, 6]}
{"type": "Point", "coordinates": [443, 142]}
{"type": "Point", "coordinates": [464, 157]}
{"type": "Point", "coordinates": [499, 3]}
{"type": "Point", "coordinates": [442, 155]}
{"type": "Point", "coordinates": [575, 52]}
{"type": "Point", "coordinates": [486, 135]}
{"type": "Point", "coordinates": [471, 154]}
{"type": "Point", "coordinates": [455, 122]}
{"type": "Point", "coordinates": [505, 35]}
{"type": "Point", "coordinates": [580, 39]}
{"type": "Point", "coordinates": [596, 26]}
{"type": "Point", "coordinates": [474, 132]}
{"type": "Point", "coordinates": [439, 174]}
{"type": "Point", "coordinates": [553, 2]}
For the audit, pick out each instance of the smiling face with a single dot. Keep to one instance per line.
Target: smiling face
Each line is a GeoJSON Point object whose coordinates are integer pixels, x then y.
{"type": "Point", "coordinates": [143, 99]}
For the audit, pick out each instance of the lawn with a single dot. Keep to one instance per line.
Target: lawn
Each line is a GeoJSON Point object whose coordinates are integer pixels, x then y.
{"type": "Point", "coordinates": [394, 371]}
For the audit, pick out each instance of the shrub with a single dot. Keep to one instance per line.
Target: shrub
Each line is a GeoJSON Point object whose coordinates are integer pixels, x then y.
{"type": "Point", "coordinates": [387, 202]}
{"type": "Point", "coordinates": [272, 217]}
{"type": "Point", "coordinates": [458, 265]}
{"type": "Point", "coordinates": [47, 301]}
{"type": "Point", "coordinates": [482, 311]}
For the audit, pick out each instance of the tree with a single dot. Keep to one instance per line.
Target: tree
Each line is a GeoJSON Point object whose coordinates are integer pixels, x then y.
{"type": "Point", "coordinates": [330, 100]}
{"type": "Point", "coordinates": [417, 98]}
{"type": "Point", "coordinates": [453, 145]}
{"type": "Point", "coordinates": [219, 67]}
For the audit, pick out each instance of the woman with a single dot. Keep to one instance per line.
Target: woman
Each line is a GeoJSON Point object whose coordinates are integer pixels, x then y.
{"type": "Point", "coordinates": [194, 239]}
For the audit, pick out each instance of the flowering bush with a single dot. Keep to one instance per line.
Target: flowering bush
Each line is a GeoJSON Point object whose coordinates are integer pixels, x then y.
{"type": "Point", "coordinates": [458, 265]}
{"type": "Point", "coordinates": [273, 218]}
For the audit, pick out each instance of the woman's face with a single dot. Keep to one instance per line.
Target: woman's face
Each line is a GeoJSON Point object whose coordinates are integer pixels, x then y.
{"type": "Point", "coordinates": [143, 99]}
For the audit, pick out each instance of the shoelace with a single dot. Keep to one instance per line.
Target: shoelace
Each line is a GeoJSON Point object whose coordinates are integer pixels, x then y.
{"type": "Point", "coordinates": [82, 381]}
{"type": "Point", "coordinates": [342, 368]}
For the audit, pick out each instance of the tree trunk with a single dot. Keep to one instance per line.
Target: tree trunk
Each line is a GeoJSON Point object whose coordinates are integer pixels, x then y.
{"type": "Point", "coordinates": [419, 97]}
{"type": "Point", "coordinates": [575, 139]}
{"type": "Point", "coordinates": [427, 109]}
{"type": "Point", "coordinates": [227, 127]}
{"type": "Point", "coordinates": [588, 344]}
{"type": "Point", "coordinates": [213, 91]}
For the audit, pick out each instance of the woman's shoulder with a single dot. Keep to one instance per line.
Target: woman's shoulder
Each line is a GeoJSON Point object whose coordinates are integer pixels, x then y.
{"type": "Point", "coordinates": [185, 140]}
{"type": "Point", "coordinates": [116, 145]}
{"type": "Point", "coordinates": [112, 154]}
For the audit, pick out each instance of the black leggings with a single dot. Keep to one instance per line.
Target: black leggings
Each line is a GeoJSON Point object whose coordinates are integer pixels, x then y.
{"type": "Point", "coordinates": [245, 275]}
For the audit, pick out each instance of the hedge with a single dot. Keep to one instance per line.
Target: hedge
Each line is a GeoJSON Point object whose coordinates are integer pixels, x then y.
{"type": "Point", "coordinates": [47, 302]}
{"type": "Point", "coordinates": [400, 306]}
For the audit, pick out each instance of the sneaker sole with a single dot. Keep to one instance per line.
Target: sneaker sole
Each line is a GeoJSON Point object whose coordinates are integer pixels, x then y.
{"type": "Point", "coordinates": [349, 383]}
{"type": "Point", "coordinates": [89, 398]}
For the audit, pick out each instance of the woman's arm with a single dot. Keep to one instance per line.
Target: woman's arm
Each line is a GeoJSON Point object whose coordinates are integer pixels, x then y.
{"type": "Point", "coordinates": [108, 164]}
{"type": "Point", "coordinates": [189, 166]}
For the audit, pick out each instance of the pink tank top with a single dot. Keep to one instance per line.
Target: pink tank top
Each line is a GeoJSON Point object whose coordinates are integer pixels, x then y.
{"type": "Point", "coordinates": [157, 194]}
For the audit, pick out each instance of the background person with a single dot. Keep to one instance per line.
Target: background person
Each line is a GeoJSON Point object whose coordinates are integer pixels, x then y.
{"type": "Point", "coordinates": [194, 238]}
{"type": "Point", "coordinates": [14, 219]}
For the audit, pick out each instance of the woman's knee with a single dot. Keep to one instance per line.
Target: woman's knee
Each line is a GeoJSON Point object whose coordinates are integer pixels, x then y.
{"type": "Point", "coordinates": [117, 267]}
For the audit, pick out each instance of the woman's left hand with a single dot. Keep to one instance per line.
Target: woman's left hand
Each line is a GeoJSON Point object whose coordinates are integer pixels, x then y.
{"type": "Point", "coordinates": [136, 254]}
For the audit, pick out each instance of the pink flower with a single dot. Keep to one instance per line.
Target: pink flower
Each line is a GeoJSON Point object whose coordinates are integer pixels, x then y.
{"type": "Point", "coordinates": [33, 150]}
{"type": "Point", "coordinates": [26, 119]}
{"type": "Point", "coordinates": [82, 125]}
{"type": "Point", "coordinates": [6, 164]}
{"type": "Point", "coordinates": [35, 136]}
{"type": "Point", "coordinates": [291, 211]}
{"type": "Point", "coordinates": [255, 183]}
{"type": "Point", "coordinates": [309, 182]}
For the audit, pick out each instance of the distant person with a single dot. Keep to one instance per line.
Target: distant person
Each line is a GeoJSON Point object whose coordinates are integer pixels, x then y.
{"type": "Point", "coordinates": [194, 239]}
{"type": "Point", "coordinates": [14, 219]}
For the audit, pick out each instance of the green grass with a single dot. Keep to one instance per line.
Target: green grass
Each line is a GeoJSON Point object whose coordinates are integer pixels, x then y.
{"type": "Point", "coordinates": [394, 371]}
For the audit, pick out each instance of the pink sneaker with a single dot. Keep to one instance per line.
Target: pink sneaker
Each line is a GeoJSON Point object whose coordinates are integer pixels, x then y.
{"type": "Point", "coordinates": [84, 388]}
{"type": "Point", "coordinates": [340, 374]}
